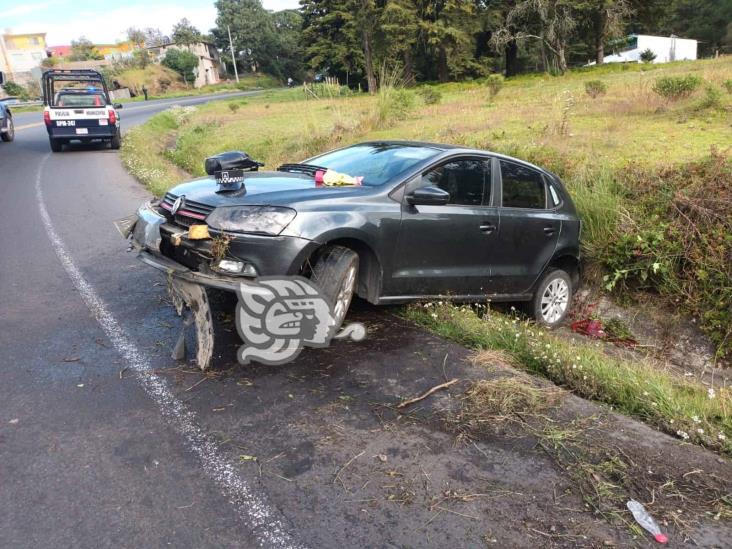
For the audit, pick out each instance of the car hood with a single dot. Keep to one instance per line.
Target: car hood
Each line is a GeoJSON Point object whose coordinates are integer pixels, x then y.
{"type": "Point", "coordinates": [270, 188]}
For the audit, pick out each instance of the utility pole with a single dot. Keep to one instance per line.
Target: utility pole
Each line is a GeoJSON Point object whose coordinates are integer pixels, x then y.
{"type": "Point", "coordinates": [233, 59]}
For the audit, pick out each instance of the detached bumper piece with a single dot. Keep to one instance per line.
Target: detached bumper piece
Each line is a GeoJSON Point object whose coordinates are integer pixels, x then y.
{"type": "Point", "coordinates": [185, 287]}
{"type": "Point", "coordinates": [191, 302]}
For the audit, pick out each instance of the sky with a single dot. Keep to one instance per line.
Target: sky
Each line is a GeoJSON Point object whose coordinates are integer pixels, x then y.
{"type": "Point", "coordinates": [66, 20]}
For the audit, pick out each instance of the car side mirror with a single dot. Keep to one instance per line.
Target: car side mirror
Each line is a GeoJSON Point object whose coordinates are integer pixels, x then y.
{"type": "Point", "coordinates": [428, 196]}
{"type": "Point", "coordinates": [117, 105]}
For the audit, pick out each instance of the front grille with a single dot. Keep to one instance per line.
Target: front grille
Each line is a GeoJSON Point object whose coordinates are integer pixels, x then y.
{"type": "Point", "coordinates": [189, 213]}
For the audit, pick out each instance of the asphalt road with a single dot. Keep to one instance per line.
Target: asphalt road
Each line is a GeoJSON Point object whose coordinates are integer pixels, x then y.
{"type": "Point", "coordinates": [105, 441]}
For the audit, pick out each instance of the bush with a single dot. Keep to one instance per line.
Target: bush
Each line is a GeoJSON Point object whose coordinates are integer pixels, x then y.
{"type": "Point", "coordinates": [430, 96]}
{"type": "Point", "coordinates": [673, 88]}
{"type": "Point", "coordinates": [495, 84]}
{"type": "Point", "coordinates": [712, 99]}
{"type": "Point", "coordinates": [15, 89]}
{"type": "Point", "coordinates": [677, 241]}
{"type": "Point", "coordinates": [233, 107]}
{"type": "Point", "coordinates": [595, 88]}
{"type": "Point", "coordinates": [647, 56]}
{"type": "Point", "coordinates": [727, 84]}
{"type": "Point", "coordinates": [182, 62]}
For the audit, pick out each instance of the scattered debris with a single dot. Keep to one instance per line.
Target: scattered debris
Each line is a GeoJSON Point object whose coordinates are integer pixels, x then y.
{"type": "Point", "coordinates": [14, 421]}
{"type": "Point", "coordinates": [381, 457]}
{"type": "Point", "coordinates": [80, 385]}
{"type": "Point", "coordinates": [191, 299]}
{"type": "Point", "coordinates": [72, 359]}
{"type": "Point", "coordinates": [428, 393]}
{"type": "Point", "coordinates": [245, 457]}
{"type": "Point", "coordinates": [354, 458]}
{"type": "Point", "coordinates": [646, 521]}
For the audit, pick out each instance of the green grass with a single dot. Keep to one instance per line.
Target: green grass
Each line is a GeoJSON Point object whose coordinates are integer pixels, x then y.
{"type": "Point", "coordinates": [677, 406]}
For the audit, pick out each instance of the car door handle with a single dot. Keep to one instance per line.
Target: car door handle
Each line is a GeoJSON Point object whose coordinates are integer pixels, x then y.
{"type": "Point", "coordinates": [549, 231]}
{"type": "Point", "coordinates": [487, 228]}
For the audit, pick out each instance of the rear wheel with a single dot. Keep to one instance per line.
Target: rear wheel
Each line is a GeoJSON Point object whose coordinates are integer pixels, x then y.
{"type": "Point", "coordinates": [9, 134]}
{"type": "Point", "coordinates": [56, 144]}
{"type": "Point", "coordinates": [552, 299]}
{"type": "Point", "coordinates": [335, 274]}
{"type": "Point", "coordinates": [116, 141]}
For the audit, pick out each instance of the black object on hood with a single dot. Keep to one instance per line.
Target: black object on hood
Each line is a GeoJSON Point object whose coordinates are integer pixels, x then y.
{"type": "Point", "coordinates": [231, 160]}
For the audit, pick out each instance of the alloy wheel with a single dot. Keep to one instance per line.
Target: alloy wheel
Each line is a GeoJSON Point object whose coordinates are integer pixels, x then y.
{"type": "Point", "coordinates": [554, 301]}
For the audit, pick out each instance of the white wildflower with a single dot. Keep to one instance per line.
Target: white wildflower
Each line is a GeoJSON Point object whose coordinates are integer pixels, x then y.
{"type": "Point", "coordinates": [711, 393]}
{"type": "Point", "coordinates": [720, 436]}
{"type": "Point", "coordinates": [695, 419]}
{"type": "Point", "coordinates": [700, 431]}
{"type": "Point", "coordinates": [683, 434]}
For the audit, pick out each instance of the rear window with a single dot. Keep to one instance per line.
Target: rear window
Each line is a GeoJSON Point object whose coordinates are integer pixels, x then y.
{"type": "Point", "coordinates": [522, 187]}
{"type": "Point", "coordinates": [377, 163]}
{"type": "Point", "coordinates": [80, 100]}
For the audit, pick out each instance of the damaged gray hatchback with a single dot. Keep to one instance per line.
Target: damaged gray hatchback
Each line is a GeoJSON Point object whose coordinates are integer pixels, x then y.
{"type": "Point", "coordinates": [390, 221]}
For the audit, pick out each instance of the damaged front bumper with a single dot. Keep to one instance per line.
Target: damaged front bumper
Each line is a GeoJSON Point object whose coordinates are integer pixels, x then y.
{"type": "Point", "coordinates": [160, 245]}
{"type": "Point", "coordinates": [166, 247]}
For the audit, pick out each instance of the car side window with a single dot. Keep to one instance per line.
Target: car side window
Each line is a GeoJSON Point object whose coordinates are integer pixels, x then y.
{"type": "Point", "coordinates": [522, 187]}
{"type": "Point", "coordinates": [463, 179]}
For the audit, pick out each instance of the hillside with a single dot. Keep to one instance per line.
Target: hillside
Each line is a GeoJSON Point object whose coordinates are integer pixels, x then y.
{"type": "Point", "coordinates": [651, 177]}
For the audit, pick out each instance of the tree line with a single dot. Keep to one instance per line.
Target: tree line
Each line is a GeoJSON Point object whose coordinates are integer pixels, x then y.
{"type": "Point", "coordinates": [442, 40]}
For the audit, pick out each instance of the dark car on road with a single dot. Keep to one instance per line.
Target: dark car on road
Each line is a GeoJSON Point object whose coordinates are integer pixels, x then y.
{"type": "Point", "coordinates": [78, 107]}
{"type": "Point", "coordinates": [424, 221]}
{"type": "Point", "coordinates": [7, 129]}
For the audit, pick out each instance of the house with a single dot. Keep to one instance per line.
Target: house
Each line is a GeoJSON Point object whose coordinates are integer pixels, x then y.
{"type": "Point", "coordinates": [667, 49]}
{"type": "Point", "coordinates": [209, 61]}
{"type": "Point", "coordinates": [110, 52]}
{"type": "Point", "coordinates": [114, 52]}
{"type": "Point", "coordinates": [21, 55]}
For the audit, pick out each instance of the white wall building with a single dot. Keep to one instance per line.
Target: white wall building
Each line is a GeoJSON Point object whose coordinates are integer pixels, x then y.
{"type": "Point", "coordinates": [209, 61]}
{"type": "Point", "coordinates": [667, 49]}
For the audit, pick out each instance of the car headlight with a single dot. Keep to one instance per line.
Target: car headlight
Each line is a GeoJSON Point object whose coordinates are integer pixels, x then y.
{"type": "Point", "coordinates": [269, 220]}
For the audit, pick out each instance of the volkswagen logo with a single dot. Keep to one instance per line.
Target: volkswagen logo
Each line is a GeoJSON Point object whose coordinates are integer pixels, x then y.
{"type": "Point", "coordinates": [178, 204]}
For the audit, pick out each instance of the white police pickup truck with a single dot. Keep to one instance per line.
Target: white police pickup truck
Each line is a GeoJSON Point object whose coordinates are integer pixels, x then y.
{"type": "Point", "coordinates": [77, 107]}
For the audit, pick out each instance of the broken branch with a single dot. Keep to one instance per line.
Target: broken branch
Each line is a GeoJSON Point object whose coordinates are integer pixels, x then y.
{"type": "Point", "coordinates": [428, 393]}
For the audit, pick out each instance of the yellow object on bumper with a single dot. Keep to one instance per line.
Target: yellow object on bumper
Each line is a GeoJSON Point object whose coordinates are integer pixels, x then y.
{"type": "Point", "coordinates": [198, 232]}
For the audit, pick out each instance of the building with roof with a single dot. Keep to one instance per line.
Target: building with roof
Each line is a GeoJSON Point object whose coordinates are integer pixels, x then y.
{"type": "Point", "coordinates": [209, 60]}
{"type": "Point", "coordinates": [666, 48]}
{"type": "Point", "coordinates": [21, 55]}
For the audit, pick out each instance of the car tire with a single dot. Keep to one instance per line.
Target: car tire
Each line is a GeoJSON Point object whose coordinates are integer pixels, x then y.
{"type": "Point", "coordinates": [116, 141]}
{"type": "Point", "coordinates": [56, 144]}
{"type": "Point", "coordinates": [336, 273]}
{"type": "Point", "coordinates": [9, 135]}
{"type": "Point", "coordinates": [552, 299]}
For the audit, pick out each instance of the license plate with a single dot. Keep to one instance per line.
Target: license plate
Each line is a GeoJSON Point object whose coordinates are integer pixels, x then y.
{"type": "Point", "coordinates": [82, 131]}
{"type": "Point", "coordinates": [104, 122]}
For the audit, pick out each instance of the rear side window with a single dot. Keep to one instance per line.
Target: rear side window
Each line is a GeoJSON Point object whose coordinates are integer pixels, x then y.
{"type": "Point", "coordinates": [465, 180]}
{"type": "Point", "coordinates": [522, 187]}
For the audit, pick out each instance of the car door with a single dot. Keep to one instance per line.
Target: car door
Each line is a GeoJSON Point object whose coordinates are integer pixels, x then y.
{"type": "Point", "coordinates": [529, 228]}
{"type": "Point", "coordinates": [445, 249]}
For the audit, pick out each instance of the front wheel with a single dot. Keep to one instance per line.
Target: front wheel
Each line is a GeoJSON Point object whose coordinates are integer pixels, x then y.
{"type": "Point", "coordinates": [552, 299]}
{"type": "Point", "coordinates": [9, 134]}
{"type": "Point", "coordinates": [56, 144]}
{"type": "Point", "coordinates": [116, 141]}
{"type": "Point", "coordinates": [335, 274]}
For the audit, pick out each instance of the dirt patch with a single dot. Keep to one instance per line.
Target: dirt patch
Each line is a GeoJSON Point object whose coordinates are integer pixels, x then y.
{"type": "Point", "coordinates": [550, 470]}
{"type": "Point", "coordinates": [668, 337]}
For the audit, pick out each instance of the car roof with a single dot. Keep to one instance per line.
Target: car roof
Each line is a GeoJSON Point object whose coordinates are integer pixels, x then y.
{"type": "Point", "coordinates": [457, 149]}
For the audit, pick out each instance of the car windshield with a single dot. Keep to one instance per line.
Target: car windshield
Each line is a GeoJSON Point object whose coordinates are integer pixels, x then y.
{"type": "Point", "coordinates": [376, 163]}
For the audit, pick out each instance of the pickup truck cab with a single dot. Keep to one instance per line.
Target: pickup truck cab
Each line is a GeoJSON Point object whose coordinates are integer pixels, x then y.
{"type": "Point", "coordinates": [81, 110]}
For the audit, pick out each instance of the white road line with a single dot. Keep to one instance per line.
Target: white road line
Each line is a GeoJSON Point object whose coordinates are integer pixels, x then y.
{"type": "Point", "coordinates": [252, 507]}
